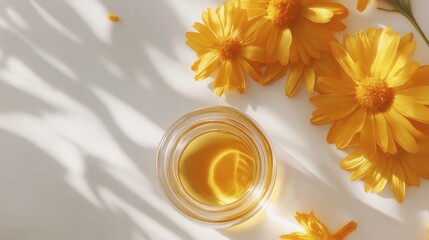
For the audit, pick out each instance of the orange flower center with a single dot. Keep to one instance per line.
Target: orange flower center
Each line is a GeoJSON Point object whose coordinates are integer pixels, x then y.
{"type": "Point", "coordinates": [229, 49]}
{"type": "Point", "coordinates": [283, 12]}
{"type": "Point", "coordinates": [374, 95]}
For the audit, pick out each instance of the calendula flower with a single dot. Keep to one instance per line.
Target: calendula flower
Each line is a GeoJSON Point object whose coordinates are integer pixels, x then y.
{"type": "Point", "coordinates": [373, 92]}
{"type": "Point", "coordinates": [226, 41]}
{"type": "Point", "coordinates": [399, 170]}
{"type": "Point", "coordinates": [296, 32]}
{"type": "Point", "coordinates": [316, 230]}
{"type": "Point", "coordinates": [401, 6]}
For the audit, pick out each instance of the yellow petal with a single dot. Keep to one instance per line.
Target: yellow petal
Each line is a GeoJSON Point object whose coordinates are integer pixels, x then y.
{"type": "Point", "coordinates": [329, 113]}
{"type": "Point", "coordinates": [363, 170]}
{"type": "Point", "coordinates": [403, 75]}
{"type": "Point", "coordinates": [384, 169]}
{"type": "Point", "coordinates": [409, 108]}
{"type": "Point", "coordinates": [419, 94]}
{"type": "Point", "coordinates": [346, 230]}
{"type": "Point", "coordinates": [332, 85]}
{"type": "Point", "coordinates": [398, 182]}
{"type": "Point", "coordinates": [419, 164]}
{"type": "Point", "coordinates": [215, 23]}
{"type": "Point", "coordinates": [335, 130]}
{"type": "Point", "coordinates": [318, 14]}
{"type": "Point", "coordinates": [221, 83]}
{"type": "Point", "coordinates": [252, 68]}
{"type": "Point", "coordinates": [420, 77]}
{"type": "Point", "coordinates": [367, 136]}
{"type": "Point", "coordinates": [403, 57]}
{"type": "Point", "coordinates": [283, 49]}
{"type": "Point", "coordinates": [253, 53]}
{"type": "Point", "coordinates": [206, 65]}
{"type": "Point", "coordinates": [362, 4]}
{"type": "Point", "coordinates": [198, 39]}
{"type": "Point", "coordinates": [237, 76]}
{"type": "Point", "coordinates": [272, 42]}
{"type": "Point", "coordinates": [294, 79]}
{"type": "Point", "coordinates": [309, 78]}
{"type": "Point", "coordinates": [346, 62]}
{"type": "Point", "coordinates": [402, 137]}
{"type": "Point", "coordinates": [273, 72]}
{"type": "Point", "coordinates": [411, 176]}
{"type": "Point", "coordinates": [206, 32]}
{"type": "Point", "coordinates": [397, 120]}
{"type": "Point", "coordinates": [386, 51]}
{"type": "Point", "coordinates": [352, 126]}
{"type": "Point", "coordinates": [381, 131]}
{"type": "Point", "coordinates": [353, 160]}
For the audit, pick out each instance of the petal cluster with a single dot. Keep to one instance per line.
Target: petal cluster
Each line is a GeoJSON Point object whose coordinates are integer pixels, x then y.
{"type": "Point", "coordinates": [376, 98]}
{"type": "Point", "coordinates": [264, 39]}
{"type": "Point", "coordinates": [316, 230]}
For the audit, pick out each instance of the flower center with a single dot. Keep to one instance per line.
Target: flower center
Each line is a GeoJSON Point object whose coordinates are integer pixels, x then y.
{"type": "Point", "coordinates": [283, 12]}
{"type": "Point", "coordinates": [374, 95]}
{"type": "Point", "coordinates": [229, 49]}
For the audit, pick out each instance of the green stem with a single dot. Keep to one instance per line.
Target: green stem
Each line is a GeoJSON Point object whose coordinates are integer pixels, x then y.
{"type": "Point", "coordinates": [416, 25]}
{"type": "Point", "coordinates": [405, 10]}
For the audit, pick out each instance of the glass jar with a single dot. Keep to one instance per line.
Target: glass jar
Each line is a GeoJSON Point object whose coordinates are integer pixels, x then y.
{"type": "Point", "coordinates": [253, 171]}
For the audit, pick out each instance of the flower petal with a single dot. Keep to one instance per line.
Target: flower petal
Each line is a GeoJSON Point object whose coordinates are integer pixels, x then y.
{"type": "Point", "coordinates": [362, 4]}
{"type": "Point", "coordinates": [352, 160]}
{"type": "Point", "coordinates": [237, 77]}
{"type": "Point", "coordinates": [294, 79]}
{"type": "Point", "coordinates": [221, 83]}
{"type": "Point", "coordinates": [309, 78]}
{"type": "Point", "coordinates": [206, 65]}
{"type": "Point", "coordinates": [402, 136]}
{"type": "Point", "coordinates": [346, 62]}
{"type": "Point", "coordinates": [398, 182]}
{"type": "Point", "coordinates": [367, 136]}
{"type": "Point", "coordinates": [386, 51]}
{"type": "Point", "coordinates": [284, 47]}
{"type": "Point", "coordinates": [273, 72]}
{"type": "Point", "coordinates": [253, 53]}
{"type": "Point", "coordinates": [329, 113]}
{"type": "Point", "coordinates": [318, 14]}
{"type": "Point", "coordinates": [419, 94]}
{"type": "Point", "coordinates": [409, 108]}
{"type": "Point", "coordinates": [352, 126]}
{"type": "Point", "coordinates": [252, 68]}
{"type": "Point", "coordinates": [381, 135]}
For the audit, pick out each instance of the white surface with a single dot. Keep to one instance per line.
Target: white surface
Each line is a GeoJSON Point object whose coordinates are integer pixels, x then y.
{"type": "Point", "coordinates": [84, 102]}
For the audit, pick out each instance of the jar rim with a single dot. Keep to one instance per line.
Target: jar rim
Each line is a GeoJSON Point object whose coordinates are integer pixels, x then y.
{"type": "Point", "coordinates": [173, 143]}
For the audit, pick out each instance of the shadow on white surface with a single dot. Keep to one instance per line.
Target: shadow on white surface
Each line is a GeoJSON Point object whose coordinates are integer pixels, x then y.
{"type": "Point", "coordinates": [83, 108]}
{"type": "Point", "coordinates": [84, 103]}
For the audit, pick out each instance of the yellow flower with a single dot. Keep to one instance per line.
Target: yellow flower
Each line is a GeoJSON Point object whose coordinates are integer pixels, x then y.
{"type": "Point", "coordinates": [316, 230]}
{"type": "Point", "coordinates": [372, 93]}
{"type": "Point", "coordinates": [362, 4]}
{"type": "Point", "coordinates": [226, 42]}
{"type": "Point", "coordinates": [296, 32]}
{"type": "Point", "coordinates": [400, 170]}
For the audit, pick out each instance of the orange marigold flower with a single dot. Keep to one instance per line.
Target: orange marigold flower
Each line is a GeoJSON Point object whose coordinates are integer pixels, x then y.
{"type": "Point", "coordinates": [372, 92]}
{"type": "Point", "coordinates": [316, 230]}
{"type": "Point", "coordinates": [296, 32]}
{"type": "Point", "coordinates": [226, 41]}
{"type": "Point", "coordinates": [400, 170]}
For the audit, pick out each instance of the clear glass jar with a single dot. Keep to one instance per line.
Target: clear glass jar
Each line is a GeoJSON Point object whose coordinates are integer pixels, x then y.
{"type": "Point", "coordinates": [225, 120]}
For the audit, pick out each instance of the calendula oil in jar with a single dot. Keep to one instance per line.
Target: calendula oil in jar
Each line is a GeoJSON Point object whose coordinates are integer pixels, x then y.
{"type": "Point", "coordinates": [216, 166]}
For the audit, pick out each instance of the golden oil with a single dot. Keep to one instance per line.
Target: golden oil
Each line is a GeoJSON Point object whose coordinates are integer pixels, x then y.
{"type": "Point", "coordinates": [216, 168]}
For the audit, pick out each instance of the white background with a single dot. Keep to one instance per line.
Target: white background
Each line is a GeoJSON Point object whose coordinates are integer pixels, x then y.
{"type": "Point", "coordinates": [84, 103]}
